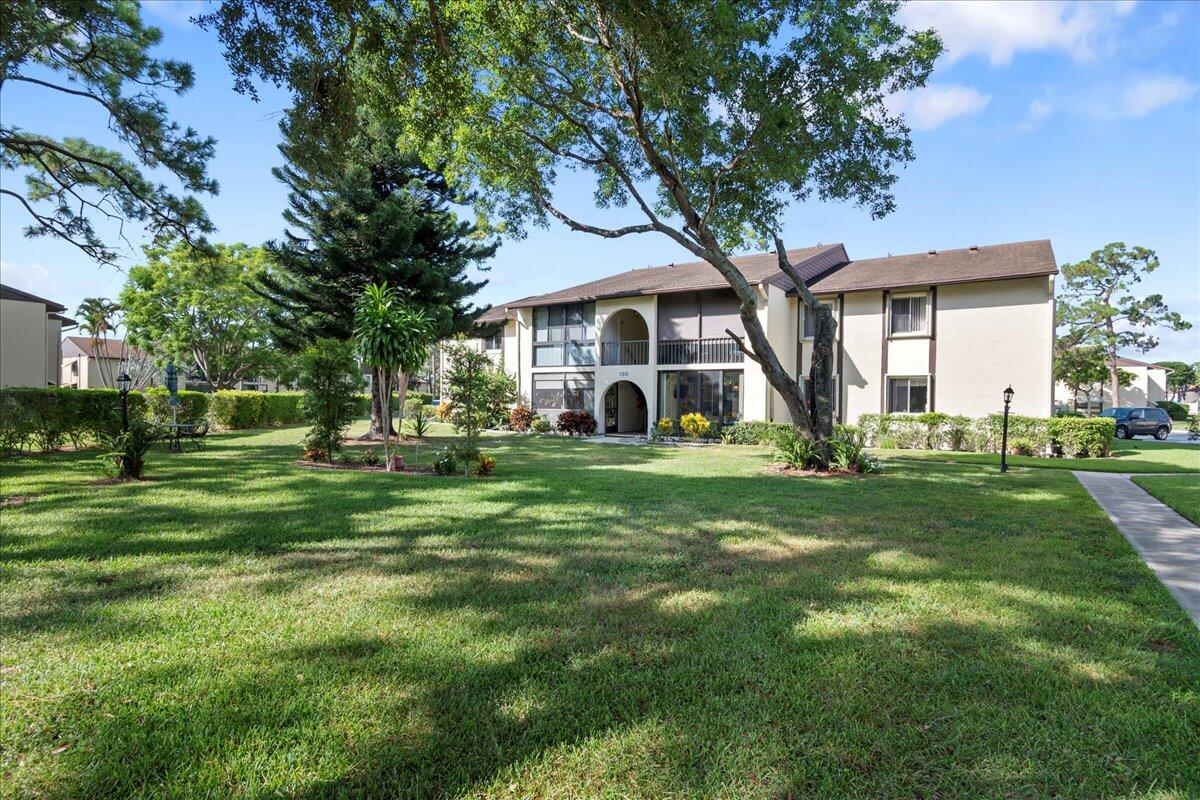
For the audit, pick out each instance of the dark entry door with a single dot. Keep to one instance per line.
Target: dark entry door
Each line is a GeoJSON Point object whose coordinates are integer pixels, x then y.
{"type": "Point", "coordinates": [610, 409]}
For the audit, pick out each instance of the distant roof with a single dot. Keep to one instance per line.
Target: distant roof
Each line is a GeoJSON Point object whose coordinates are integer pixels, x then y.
{"type": "Point", "coordinates": [109, 348]}
{"type": "Point", "coordinates": [687, 277]}
{"type": "Point", "coordinates": [1122, 361]}
{"type": "Point", "coordinates": [826, 269]}
{"type": "Point", "coordinates": [9, 293]}
{"type": "Point", "coordinates": [934, 267]}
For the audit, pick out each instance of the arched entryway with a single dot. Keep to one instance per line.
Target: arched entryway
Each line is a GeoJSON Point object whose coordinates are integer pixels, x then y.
{"type": "Point", "coordinates": [625, 409]}
{"type": "Point", "coordinates": [625, 339]}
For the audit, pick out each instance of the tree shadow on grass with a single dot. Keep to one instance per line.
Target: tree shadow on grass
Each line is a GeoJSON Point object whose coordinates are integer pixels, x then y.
{"type": "Point", "coordinates": [626, 622]}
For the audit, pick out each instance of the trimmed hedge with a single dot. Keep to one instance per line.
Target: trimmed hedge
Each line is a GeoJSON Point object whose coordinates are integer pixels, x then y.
{"type": "Point", "coordinates": [235, 409]}
{"type": "Point", "coordinates": [48, 418]}
{"type": "Point", "coordinates": [753, 432]}
{"type": "Point", "coordinates": [1074, 436]}
{"type": "Point", "coordinates": [193, 406]}
{"type": "Point", "coordinates": [238, 410]}
{"type": "Point", "coordinates": [1176, 411]}
{"type": "Point", "coordinates": [281, 408]}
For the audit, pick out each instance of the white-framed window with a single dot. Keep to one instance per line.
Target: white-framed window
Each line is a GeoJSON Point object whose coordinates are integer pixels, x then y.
{"type": "Point", "coordinates": [493, 340]}
{"type": "Point", "coordinates": [808, 320]}
{"type": "Point", "coordinates": [908, 395]}
{"type": "Point", "coordinates": [909, 314]}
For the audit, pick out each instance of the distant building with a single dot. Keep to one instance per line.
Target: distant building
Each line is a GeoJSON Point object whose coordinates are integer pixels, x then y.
{"type": "Point", "coordinates": [932, 331]}
{"type": "Point", "coordinates": [30, 330]}
{"type": "Point", "coordinates": [88, 367]}
{"type": "Point", "coordinates": [1149, 385]}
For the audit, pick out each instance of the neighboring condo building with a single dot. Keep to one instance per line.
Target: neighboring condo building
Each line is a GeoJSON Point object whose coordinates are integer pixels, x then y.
{"type": "Point", "coordinates": [1147, 387]}
{"type": "Point", "coordinates": [30, 330]}
{"type": "Point", "coordinates": [944, 331]}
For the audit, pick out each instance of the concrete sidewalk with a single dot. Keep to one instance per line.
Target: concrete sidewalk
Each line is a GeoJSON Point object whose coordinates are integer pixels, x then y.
{"type": "Point", "coordinates": [1169, 543]}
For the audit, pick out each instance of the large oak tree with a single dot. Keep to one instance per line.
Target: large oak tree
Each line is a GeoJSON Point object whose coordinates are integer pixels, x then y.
{"type": "Point", "coordinates": [705, 120]}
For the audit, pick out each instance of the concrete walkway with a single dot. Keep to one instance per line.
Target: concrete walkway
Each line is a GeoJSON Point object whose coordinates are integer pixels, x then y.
{"type": "Point", "coordinates": [1169, 543]}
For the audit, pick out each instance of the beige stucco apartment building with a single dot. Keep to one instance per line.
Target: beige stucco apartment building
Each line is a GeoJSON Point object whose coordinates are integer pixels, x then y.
{"type": "Point", "coordinates": [30, 330]}
{"type": "Point", "coordinates": [944, 331]}
{"type": "Point", "coordinates": [1147, 386]}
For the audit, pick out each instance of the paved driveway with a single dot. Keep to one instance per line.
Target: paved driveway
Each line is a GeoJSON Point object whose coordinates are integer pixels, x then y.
{"type": "Point", "coordinates": [1181, 437]}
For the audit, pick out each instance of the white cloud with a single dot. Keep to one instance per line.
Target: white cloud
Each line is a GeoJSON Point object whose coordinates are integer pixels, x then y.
{"type": "Point", "coordinates": [32, 278]}
{"type": "Point", "coordinates": [997, 29]}
{"type": "Point", "coordinates": [1143, 95]}
{"type": "Point", "coordinates": [1040, 109]}
{"type": "Point", "coordinates": [937, 103]}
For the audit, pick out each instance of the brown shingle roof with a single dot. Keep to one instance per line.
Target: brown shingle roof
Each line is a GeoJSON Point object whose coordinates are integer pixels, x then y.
{"type": "Point", "coordinates": [9, 293]}
{"type": "Point", "coordinates": [966, 265]}
{"type": "Point", "coordinates": [826, 268]}
{"type": "Point", "coordinates": [694, 275]}
{"type": "Point", "coordinates": [110, 348]}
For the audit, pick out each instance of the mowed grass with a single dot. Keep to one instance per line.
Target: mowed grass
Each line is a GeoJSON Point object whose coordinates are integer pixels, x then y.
{"type": "Point", "coordinates": [1180, 492]}
{"type": "Point", "coordinates": [1130, 455]}
{"type": "Point", "coordinates": [596, 621]}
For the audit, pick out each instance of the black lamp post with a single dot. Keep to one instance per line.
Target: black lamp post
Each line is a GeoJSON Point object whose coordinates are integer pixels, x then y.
{"type": "Point", "coordinates": [1008, 396]}
{"type": "Point", "coordinates": [123, 383]}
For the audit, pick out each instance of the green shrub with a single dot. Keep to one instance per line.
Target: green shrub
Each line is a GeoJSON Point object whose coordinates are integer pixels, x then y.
{"type": "Point", "coordinates": [541, 425]}
{"type": "Point", "coordinates": [425, 398]}
{"type": "Point", "coordinates": [1020, 446]}
{"type": "Point", "coordinates": [446, 463]}
{"type": "Point", "coordinates": [1083, 437]}
{"type": "Point", "coordinates": [193, 406]}
{"type": "Point", "coordinates": [753, 432]}
{"type": "Point", "coordinates": [369, 458]}
{"type": "Point", "coordinates": [281, 408]}
{"type": "Point", "coordinates": [417, 418]}
{"type": "Point", "coordinates": [957, 433]}
{"type": "Point", "coordinates": [46, 418]}
{"type": "Point", "coordinates": [695, 425]}
{"type": "Point", "coordinates": [663, 428]}
{"type": "Point", "coordinates": [330, 377]}
{"type": "Point", "coordinates": [1194, 428]}
{"type": "Point", "coordinates": [125, 455]}
{"type": "Point", "coordinates": [1176, 411]}
{"type": "Point", "coordinates": [798, 452]}
{"type": "Point", "coordinates": [236, 410]}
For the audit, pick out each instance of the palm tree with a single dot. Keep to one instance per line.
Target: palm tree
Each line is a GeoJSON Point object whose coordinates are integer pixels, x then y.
{"type": "Point", "coordinates": [393, 335]}
{"type": "Point", "coordinates": [98, 318]}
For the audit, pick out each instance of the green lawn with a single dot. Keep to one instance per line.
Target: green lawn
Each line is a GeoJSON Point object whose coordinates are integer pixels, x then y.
{"type": "Point", "coordinates": [1135, 455]}
{"type": "Point", "coordinates": [1180, 492]}
{"type": "Point", "coordinates": [596, 621]}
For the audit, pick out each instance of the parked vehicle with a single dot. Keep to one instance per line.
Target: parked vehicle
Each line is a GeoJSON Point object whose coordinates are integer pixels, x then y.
{"type": "Point", "coordinates": [1133, 422]}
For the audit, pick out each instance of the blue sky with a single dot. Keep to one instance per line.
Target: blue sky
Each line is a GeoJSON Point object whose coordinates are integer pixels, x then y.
{"type": "Point", "coordinates": [1077, 122]}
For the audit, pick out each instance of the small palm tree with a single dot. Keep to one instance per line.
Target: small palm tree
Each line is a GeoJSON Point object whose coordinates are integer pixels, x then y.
{"type": "Point", "coordinates": [393, 335]}
{"type": "Point", "coordinates": [98, 318]}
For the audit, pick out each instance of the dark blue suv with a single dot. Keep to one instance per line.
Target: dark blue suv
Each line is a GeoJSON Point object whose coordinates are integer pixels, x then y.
{"type": "Point", "coordinates": [1140, 422]}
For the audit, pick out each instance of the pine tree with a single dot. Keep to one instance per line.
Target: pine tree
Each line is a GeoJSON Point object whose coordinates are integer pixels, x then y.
{"type": "Point", "coordinates": [380, 216]}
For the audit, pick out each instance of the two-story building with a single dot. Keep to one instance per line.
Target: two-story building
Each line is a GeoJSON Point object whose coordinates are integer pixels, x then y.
{"type": "Point", "coordinates": [30, 328]}
{"type": "Point", "coordinates": [944, 331]}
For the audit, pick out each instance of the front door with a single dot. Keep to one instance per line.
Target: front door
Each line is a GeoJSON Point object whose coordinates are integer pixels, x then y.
{"type": "Point", "coordinates": [610, 409]}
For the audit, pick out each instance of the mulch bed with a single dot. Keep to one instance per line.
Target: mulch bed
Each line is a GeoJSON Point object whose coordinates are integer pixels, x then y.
{"type": "Point", "coordinates": [779, 469]}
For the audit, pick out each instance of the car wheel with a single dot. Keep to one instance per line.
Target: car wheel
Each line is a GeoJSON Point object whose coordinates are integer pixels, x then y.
{"type": "Point", "coordinates": [1161, 433]}
{"type": "Point", "coordinates": [1122, 432]}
